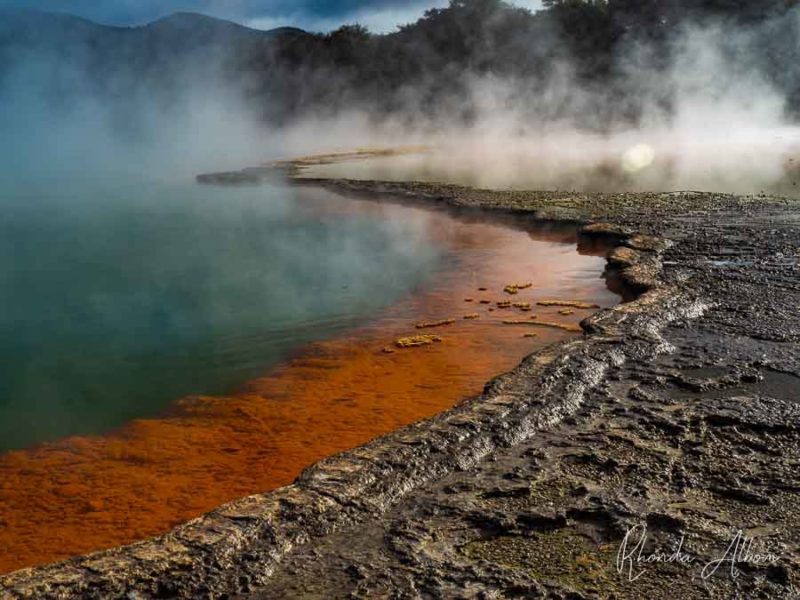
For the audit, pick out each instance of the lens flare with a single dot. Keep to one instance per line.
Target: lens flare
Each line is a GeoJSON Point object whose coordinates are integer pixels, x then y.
{"type": "Point", "coordinates": [637, 158]}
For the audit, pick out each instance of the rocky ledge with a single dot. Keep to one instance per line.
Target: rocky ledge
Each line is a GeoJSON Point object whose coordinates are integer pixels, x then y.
{"type": "Point", "coordinates": [674, 421]}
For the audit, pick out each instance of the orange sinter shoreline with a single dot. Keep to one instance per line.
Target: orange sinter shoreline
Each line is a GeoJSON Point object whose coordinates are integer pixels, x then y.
{"type": "Point", "coordinates": [83, 494]}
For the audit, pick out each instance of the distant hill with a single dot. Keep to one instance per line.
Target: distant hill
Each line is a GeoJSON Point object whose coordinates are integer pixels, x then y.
{"type": "Point", "coordinates": [20, 25]}
{"type": "Point", "coordinates": [197, 29]}
{"type": "Point", "coordinates": [66, 55]}
{"type": "Point", "coordinates": [182, 36]}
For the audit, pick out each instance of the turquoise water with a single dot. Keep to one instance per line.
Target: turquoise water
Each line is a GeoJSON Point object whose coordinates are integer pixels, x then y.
{"type": "Point", "coordinates": [116, 299]}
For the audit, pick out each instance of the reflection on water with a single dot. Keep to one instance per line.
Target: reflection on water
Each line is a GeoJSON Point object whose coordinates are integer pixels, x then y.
{"type": "Point", "coordinates": [85, 493]}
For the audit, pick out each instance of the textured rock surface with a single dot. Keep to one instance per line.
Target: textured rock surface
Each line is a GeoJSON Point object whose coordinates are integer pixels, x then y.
{"type": "Point", "coordinates": [678, 411]}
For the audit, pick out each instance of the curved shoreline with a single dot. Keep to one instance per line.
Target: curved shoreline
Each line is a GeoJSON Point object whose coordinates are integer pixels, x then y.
{"type": "Point", "coordinates": [85, 494]}
{"type": "Point", "coordinates": [237, 546]}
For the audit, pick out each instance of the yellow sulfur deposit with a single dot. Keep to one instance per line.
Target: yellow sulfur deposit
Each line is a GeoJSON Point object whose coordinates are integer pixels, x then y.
{"type": "Point", "coordinates": [504, 304]}
{"type": "Point", "coordinates": [524, 306]}
{"type": "Point", "coordinates": [567, 303]}
{"type": "Point", "coordinates": [472, 316]}
{"type": "Point", "coordinates": [513, 288]}
{"type": "Point", "coordinates": [566, 312]}
{"type": "Point", "coordinates": [426, 324]}
{"type": "Point", "coordinates": [417, 340]}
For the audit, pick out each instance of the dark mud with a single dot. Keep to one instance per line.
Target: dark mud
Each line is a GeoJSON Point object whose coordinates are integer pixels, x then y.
{"type": "Point", "coordinates": [678, 411]}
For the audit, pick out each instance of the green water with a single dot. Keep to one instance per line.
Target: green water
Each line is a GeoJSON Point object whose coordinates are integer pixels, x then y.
{"type": "Point", "coordinates": [116, 299]}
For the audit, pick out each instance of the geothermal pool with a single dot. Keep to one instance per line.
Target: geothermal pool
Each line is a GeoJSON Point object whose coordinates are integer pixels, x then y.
{"type": "Point", "coordinates": [167, 348]}
{"type": "Point", "coordinates": [115, 299]}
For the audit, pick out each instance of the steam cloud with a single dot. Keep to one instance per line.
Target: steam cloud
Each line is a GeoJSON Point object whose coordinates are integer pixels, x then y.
{"type": "Point", "coordinates": [711, 121]}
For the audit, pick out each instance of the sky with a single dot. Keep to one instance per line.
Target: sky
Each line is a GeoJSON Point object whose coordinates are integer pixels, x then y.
{"type": "Point", "coordinates": [380, 16]}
